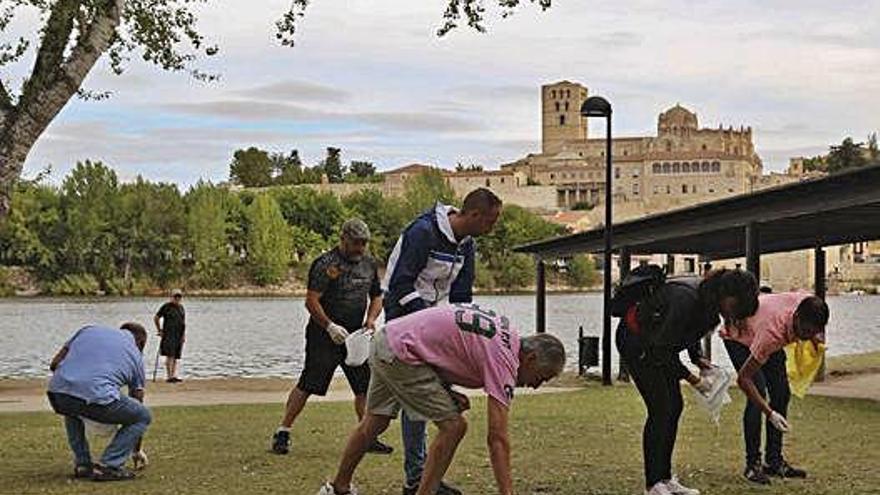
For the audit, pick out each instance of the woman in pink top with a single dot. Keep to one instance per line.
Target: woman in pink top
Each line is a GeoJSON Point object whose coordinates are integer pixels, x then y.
{"type": "Point", "coordinates": [755, 346]}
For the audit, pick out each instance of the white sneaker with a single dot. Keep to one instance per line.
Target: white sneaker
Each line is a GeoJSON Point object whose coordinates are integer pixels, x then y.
{"type": "Point", "coordinates": [659, 488]}
{"type": "Point", "coordinates": [678, 489]}
{"type": "Point", "coordinates": [328, 489]}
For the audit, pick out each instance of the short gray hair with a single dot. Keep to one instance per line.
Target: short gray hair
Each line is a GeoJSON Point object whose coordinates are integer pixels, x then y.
{"type": "Point", "coordinates": [549, 351]}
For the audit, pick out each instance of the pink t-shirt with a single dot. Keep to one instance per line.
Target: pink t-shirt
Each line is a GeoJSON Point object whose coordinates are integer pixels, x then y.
{"type": "Point", "coordinates": [468, 345]}
{"type": "Point", "coordinates": [771, 328]}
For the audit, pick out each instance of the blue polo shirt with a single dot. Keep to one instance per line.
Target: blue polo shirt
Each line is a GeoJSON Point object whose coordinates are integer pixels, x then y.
{"type": "Point", "coordinates": [99, 361]}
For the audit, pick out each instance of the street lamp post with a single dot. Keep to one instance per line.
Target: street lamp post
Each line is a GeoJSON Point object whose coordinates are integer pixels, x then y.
{"type": "Point", "coordinates": [596, 106]}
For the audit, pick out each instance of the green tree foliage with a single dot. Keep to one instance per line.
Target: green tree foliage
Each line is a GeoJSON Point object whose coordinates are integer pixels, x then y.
{"type": "Point", "coordinates": [286, 169]}
{"type": "Point", "coordinates": [320, 212]}
{"type": "Point", "coordinates": [207, 228]}
{"type": "Point", "coordinates": [90, 201]}
{"type": "Point", "coordinates": [362, 169]}
{"type": "Point", "coordinates": [582, 271]}
{"type": "Point", "coordinates": [848, 154]}
{"type": "Point", "coordinates": [150, 238]}
{"type": "Point", "coordinates": [95, 235]}
{"type": "Point", "coordinates": [873, 149]}
{"type": "Point", "coordinates": [269, 244]}
{"type": "Point", "coordinates": [251, 168]}
{"type": "Point", "coordinates": [332, 165]}
{"type": "Point", "coordinates": [30, 234]}
{"type": "Point", "coordinates": [425, 189]}
{"type": "Point", "coordinates": [386, 217]}
{"type": "Point", "coordinates": [515, 226]}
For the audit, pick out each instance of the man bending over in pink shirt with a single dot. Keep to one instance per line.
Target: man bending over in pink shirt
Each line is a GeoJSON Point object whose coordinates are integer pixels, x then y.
{"type": "Point", "coordinates": [755, 346]}
{"type": "Point", "coordinates": [417, 358]}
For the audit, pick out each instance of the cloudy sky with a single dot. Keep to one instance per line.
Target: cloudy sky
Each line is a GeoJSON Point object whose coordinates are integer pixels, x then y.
{"type": "Point", "coordinates": [371, 77]}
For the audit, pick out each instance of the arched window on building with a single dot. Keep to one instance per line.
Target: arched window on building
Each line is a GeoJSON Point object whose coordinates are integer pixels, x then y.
{"type": "Point", "coordinates": [557, 106]}
{"type": "Point", "coordinates": [666, 167]}
{"type": "Point", "coordinates": [568, 93]}
{"type": "Point", "coordinates": [695, 167]}
{"type": "Point", "coordinates": [562, 120]}
{"type": "Point", "coordinates": [685, 168]}
{"type": "Point", "coordinates": [706, 167]}
{"type": "Point", "coordinates": [684, 189]}
{"type": "Point", "coordinates": [716, 167]}
{"type": "Point", "coordinates": [655, 168]}
{"type": "Point", "coordinates": [668, 145]}
{"type": "Point", "coordinates": [694, 188]}
{"type": "Point", "coordinates": [553, 94]}
{"type": "Point", "coordinates": [616, 172]}
{"type": "Point", "coordinates": [552, 176]}
{"type": "Point", "coordinates": [676, 168]}
{"type": "Point", "coordinates": [704, 147]}
{"type": "Point", "coordinates": [566, 106]}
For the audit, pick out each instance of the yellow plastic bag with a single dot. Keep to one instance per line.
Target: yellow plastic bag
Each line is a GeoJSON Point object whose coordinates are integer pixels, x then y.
{"type": "Point", "coordinates": [803, 360]}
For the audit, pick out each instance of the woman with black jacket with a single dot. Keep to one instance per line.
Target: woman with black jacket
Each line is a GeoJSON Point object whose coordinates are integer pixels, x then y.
{"type": "Point", "coordinates": [650, 337]}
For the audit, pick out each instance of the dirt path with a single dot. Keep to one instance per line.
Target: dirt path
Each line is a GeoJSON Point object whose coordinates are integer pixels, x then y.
{"type": "Point", "coordinates": [859, 386]}
{"type": "Point", "coordinates": [30, 395]}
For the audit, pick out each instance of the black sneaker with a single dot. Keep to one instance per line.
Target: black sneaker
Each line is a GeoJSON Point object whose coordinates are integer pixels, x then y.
{"type": "Point", "coordinates": [83, 471]}
{"type": "Point", "coordinates": [443, 489]}
{"type": "Point", "coordinates": [109, 473]}
{"type": "Point", "coordinates": [784, 470]}
{"type": "Point", "coordinates": [281, 442]}
{"type": "Point", "coordinates": [378, 447]}
{"type": "Point", "coordinates": [755, 474]}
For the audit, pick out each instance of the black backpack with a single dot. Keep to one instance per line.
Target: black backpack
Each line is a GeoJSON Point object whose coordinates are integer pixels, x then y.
{"type": "Point", "coordinates": [638, 285]}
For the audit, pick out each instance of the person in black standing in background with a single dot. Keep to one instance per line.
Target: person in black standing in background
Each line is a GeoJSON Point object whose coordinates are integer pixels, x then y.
{"type": "Point", "coordinates": [170, 321]}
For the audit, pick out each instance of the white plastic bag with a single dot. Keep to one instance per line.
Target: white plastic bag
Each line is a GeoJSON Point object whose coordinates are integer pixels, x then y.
{"type": "Point", "coordinates": [357, 347]}
{"type": "Point", "coordinates": [99, 429]}
{"type": "Point", "coordinates": [718, 396]}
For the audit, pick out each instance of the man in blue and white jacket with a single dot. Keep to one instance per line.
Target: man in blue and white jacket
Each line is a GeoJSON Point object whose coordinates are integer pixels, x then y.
{"type": "Point", "coordinates": [432, 262]}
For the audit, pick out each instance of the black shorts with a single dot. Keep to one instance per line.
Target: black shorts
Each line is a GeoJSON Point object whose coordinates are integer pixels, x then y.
{"type": "Point", "coordinates": [171, 345]}
{"type": "Point", "coordinates": [322, 358]}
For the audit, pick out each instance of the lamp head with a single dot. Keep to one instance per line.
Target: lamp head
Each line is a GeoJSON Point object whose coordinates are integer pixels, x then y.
{"type": "Point", "coordinates": [596, 106]}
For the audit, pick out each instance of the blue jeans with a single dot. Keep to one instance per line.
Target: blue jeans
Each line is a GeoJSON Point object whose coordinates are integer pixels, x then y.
{"type": "Point", "coordinates": [132, 416]}
{"type": "Point", "coordinates": [414, 450]}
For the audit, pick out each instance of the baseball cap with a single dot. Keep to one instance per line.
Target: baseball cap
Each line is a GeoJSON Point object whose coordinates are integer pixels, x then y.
{"type": "Point", "coordinates": [355, 228]}
{"type": "Point", "coordinates": [177, 292]}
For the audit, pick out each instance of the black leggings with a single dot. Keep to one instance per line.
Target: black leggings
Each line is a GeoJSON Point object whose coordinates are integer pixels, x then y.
{"type": "Point", "coordinates": [661, 392]}
{"type": "Point", "coordinates": [773, 379]}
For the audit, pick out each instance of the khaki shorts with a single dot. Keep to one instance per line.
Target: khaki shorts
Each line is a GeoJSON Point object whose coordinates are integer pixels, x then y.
{"type": "Point", "coordinates": [415, 388]}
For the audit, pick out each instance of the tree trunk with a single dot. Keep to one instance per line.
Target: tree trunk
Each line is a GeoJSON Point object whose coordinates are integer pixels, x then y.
{"type": "Point", "coordinates": [45, 94]}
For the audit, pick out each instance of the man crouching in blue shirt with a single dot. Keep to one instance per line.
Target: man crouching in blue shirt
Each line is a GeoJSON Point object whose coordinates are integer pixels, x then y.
{"type": "Point", "coordinates": [88, 372]}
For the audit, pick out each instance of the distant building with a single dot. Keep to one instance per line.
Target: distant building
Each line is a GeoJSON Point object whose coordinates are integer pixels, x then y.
{"type": "Point", "coordinates": [682, 165]}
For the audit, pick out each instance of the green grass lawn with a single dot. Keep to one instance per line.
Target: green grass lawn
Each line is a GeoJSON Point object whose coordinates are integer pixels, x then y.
{"type": "Point", "coordinates": [582, 442]}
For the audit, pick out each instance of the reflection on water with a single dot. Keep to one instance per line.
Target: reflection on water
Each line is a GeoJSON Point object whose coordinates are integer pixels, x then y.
{"type": "Point", "coordinates": [265, 336]}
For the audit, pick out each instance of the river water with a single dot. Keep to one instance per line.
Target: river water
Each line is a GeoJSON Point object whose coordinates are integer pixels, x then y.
{"type": "Point", "coordinates": [260, 337]}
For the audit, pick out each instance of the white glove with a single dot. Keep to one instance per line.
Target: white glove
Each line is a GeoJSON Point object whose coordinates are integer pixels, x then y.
{"type": "Point", "coordinates": [779, 422]}
{"type": "Point", "coordinates": [337, 333]}
{"type": "Point", "coordinates": [140, 459]}
{"type": "Point", "coordinates": [704, 386]}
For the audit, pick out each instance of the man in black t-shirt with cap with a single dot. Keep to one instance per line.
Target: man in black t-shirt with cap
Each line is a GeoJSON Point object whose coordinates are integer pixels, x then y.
{"type": "Point", "coordinates": [170, 321]}
{"type": "Point", "coordinates": [341, 283]}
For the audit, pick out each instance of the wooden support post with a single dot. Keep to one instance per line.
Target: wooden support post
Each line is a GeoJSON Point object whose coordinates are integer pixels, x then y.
{"type": "Point", "coordinates": [541, 303]}
{"type": "Point", "coordinates": [820, 288]}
